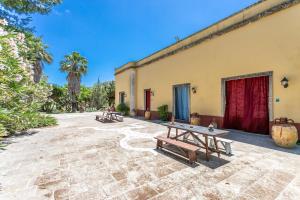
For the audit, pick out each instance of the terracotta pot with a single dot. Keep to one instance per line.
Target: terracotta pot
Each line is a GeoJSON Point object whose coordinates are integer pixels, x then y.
{"type": "Point", "coordinates": [132, 113]}
{"type": "Point", "coordinates": [147, 115]}
{"type": "Point", "coordinates": [284, 133]}
{"type": "Point", "coordinates": [195, 121]}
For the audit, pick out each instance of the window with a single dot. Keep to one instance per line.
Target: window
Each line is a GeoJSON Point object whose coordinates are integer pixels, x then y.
{"type": "Point", "coordinates": [122, 97]}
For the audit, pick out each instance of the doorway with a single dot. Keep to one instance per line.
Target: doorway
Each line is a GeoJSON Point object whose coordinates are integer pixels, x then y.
{"type": "Point", "coordinates": [147, 97]}
{"type": "Point", "coordinates": [181, 102]}
{"type": "Point", "coordinates": [247, 104]}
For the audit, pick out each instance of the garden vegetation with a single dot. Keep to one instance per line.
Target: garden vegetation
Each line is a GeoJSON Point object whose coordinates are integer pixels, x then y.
{"type": "Point", "coordinates": [20, 97]}
{"type": "Point", "coordinates": [24, 91]}
{"type": "Point", "coordinates": [23, 88]}
{"type": "Point", "coordinates": [97, 97]}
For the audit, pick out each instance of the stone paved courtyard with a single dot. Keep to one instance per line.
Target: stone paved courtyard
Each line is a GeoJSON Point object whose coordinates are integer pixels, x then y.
{"type": "Point", "coordinates": [85, 159]}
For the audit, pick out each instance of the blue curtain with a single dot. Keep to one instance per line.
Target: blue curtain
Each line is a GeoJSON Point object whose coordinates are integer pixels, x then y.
{"type": "Point", "coordinates": [182, 102]}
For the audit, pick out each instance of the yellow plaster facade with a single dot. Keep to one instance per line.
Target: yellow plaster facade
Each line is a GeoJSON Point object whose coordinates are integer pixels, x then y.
{"type": "Point", "coordinates": [270, 44]}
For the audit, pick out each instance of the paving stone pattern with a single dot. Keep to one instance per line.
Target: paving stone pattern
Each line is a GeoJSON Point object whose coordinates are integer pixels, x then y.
{"type": "Point", "coordinates": [82, 159]}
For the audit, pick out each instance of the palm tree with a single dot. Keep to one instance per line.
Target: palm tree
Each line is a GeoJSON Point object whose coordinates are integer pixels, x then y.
{"type": "Point", "coordinates": [76, 66]}
{"type": "Point", "coordinates": [38, 55]}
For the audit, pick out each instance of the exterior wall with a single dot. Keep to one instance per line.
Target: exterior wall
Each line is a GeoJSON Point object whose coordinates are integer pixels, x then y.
{"type": "Point", "coordinates": [123, 85]}
{"type": "Point", "coordinates": [270, 44]}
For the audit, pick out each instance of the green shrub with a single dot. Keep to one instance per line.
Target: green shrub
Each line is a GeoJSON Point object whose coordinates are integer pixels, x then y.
{"type": "Point", "coordinates": [163, 112]}
{"type": "Point", "coordinates": [20, 96]}
{"type": "Point", "coordinates": [21, 121]}
{"type": "Point", "coordinates": [123, 108]}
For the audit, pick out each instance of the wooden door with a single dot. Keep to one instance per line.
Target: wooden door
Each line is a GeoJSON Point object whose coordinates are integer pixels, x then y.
{"type": "Point", "coordinates": [147, 100]}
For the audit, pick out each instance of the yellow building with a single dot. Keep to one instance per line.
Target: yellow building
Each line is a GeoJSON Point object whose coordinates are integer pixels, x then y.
{"type": "Point", "coordinates": [224, 65]}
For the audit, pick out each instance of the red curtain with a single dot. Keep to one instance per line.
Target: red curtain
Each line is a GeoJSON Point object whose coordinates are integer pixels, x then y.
{"type": "Point", "coordinates": [247, 105]}
{"type": "Point", "coordinates": [148, 97]}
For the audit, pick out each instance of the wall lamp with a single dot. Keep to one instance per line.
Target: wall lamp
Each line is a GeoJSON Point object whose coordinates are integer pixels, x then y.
{"type": "Point", "coordinates": [194, 90]}
{"type": "Point", "coordinates": [152, 92]}
{"type": "Point", "coordinates": [285, 82]}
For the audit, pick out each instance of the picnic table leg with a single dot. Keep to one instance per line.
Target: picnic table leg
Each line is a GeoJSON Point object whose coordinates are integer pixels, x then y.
{"type": "Point", "coordinates": [104, 116]}
{"type": "Point", "coordinates": [216, 145]}
{"type": "Point", "coordinates": [206, 147]}
{"type": "Point", "coordinates": [176, 133]}
{"type": "Point", "coordinates": [169, 131]}
{"type": "Point", "coordinates": [159, 144]}
{"type": "Point", "coordinates": [192, 157]}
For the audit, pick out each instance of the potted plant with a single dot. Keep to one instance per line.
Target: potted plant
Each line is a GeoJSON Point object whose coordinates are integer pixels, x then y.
{"type": "Point", "coordinates": [147, 115]}
{"type": "Point", "coordinates": [195, 119]}
{"type": "Point", "coordinates": [133, 113]}
{"type": "Point", "coordinates": [163, 112]}
{"type": "Point", "coordinates": [123, 109]}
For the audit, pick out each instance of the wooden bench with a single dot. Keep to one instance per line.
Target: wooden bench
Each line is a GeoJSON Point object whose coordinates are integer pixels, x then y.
{"type": "Point", "coordinates": [119, 118]}
{"type": "Point", "coordinates": [188, 149]}
{"type": "Point", "coordinates": [102, 118]}
{"type": "Point", "coordinates": [226, 143]}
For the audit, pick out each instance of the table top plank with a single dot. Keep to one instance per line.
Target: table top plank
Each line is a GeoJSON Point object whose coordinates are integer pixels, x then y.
{"type": "Point", "coordinates": [112, 113]}
{"type": "Point", "coordinates": [195, 129]}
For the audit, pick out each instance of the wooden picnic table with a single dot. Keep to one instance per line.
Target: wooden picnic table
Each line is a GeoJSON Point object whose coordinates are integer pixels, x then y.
{"type": "Point", "coordinates": [195, 132]}
{"type": "Point", "coordinates": [112, 115]}
{"type": "Point", "coordinates": [108, 115]}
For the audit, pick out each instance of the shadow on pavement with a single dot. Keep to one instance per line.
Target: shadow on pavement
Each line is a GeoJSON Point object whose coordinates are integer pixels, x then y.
{"type": "Point", "coordinates": [264, 141]}
{"type": "Point", "coordinates": [11, 139]}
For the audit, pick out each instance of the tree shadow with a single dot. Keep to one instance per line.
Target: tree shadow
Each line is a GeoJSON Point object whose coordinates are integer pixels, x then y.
{"type": "Point", "coordinates": [5, 141]}
{"type": "Point", "coordinates": [264, 141]}
{"type": "Point", "coordinates": [213, 163]}
{"type": "Point", "coordinates": [107, 121]}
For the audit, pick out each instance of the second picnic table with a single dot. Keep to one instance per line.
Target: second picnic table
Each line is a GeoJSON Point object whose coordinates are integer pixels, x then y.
{"type": "Point", "coordinates": [195, 131]}
{"type": "Point", "coordinates": [112, 115]}
{"type": "Point", "coordinates": [109, 115]}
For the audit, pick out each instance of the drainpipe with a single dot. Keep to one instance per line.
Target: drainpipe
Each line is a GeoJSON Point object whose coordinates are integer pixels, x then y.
{"type": "Point", "coordinates": [132, 92]}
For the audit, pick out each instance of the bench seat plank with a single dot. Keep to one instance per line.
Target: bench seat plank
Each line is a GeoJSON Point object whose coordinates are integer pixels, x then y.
{"type": "Point", "coordinates": [180, 144]}
{"type": "Point", "coordinates": [188, 149]}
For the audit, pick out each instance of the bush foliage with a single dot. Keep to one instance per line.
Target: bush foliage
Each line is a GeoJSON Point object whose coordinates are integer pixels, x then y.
{"type": "Point", "coordinates": [20, 97]}
{"type": "Point", "coordinates": [97, 97]}
{"type": "Point", "coordinates": [123, 108]}
{"type": "Point", "coordinates": [163, 112]}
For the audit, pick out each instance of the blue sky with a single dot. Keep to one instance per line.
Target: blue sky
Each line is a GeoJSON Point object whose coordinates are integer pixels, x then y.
{"type": "Point", "coordinates": [110, 33]}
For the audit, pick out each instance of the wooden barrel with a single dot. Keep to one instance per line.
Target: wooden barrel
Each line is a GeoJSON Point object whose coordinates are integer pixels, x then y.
{"type": "Point", "coordinates": [195, 121]}
{"type": "Point", "coordinates": [285, 135]}
{"type": "Point", "coordinates": [147, 115]}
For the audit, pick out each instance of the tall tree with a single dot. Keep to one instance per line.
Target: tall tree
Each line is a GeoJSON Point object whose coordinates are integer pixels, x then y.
{"type": "Point", "coordinates": [109, 88]}
{"type": "Point", "coordinates": [98, 100]}
{"type": "Point", "coordinates": [38, 55]}
{"type": "Point", "coordinates": [76, 66]}
{"type": "Point", "coordinates": [17, 11]}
